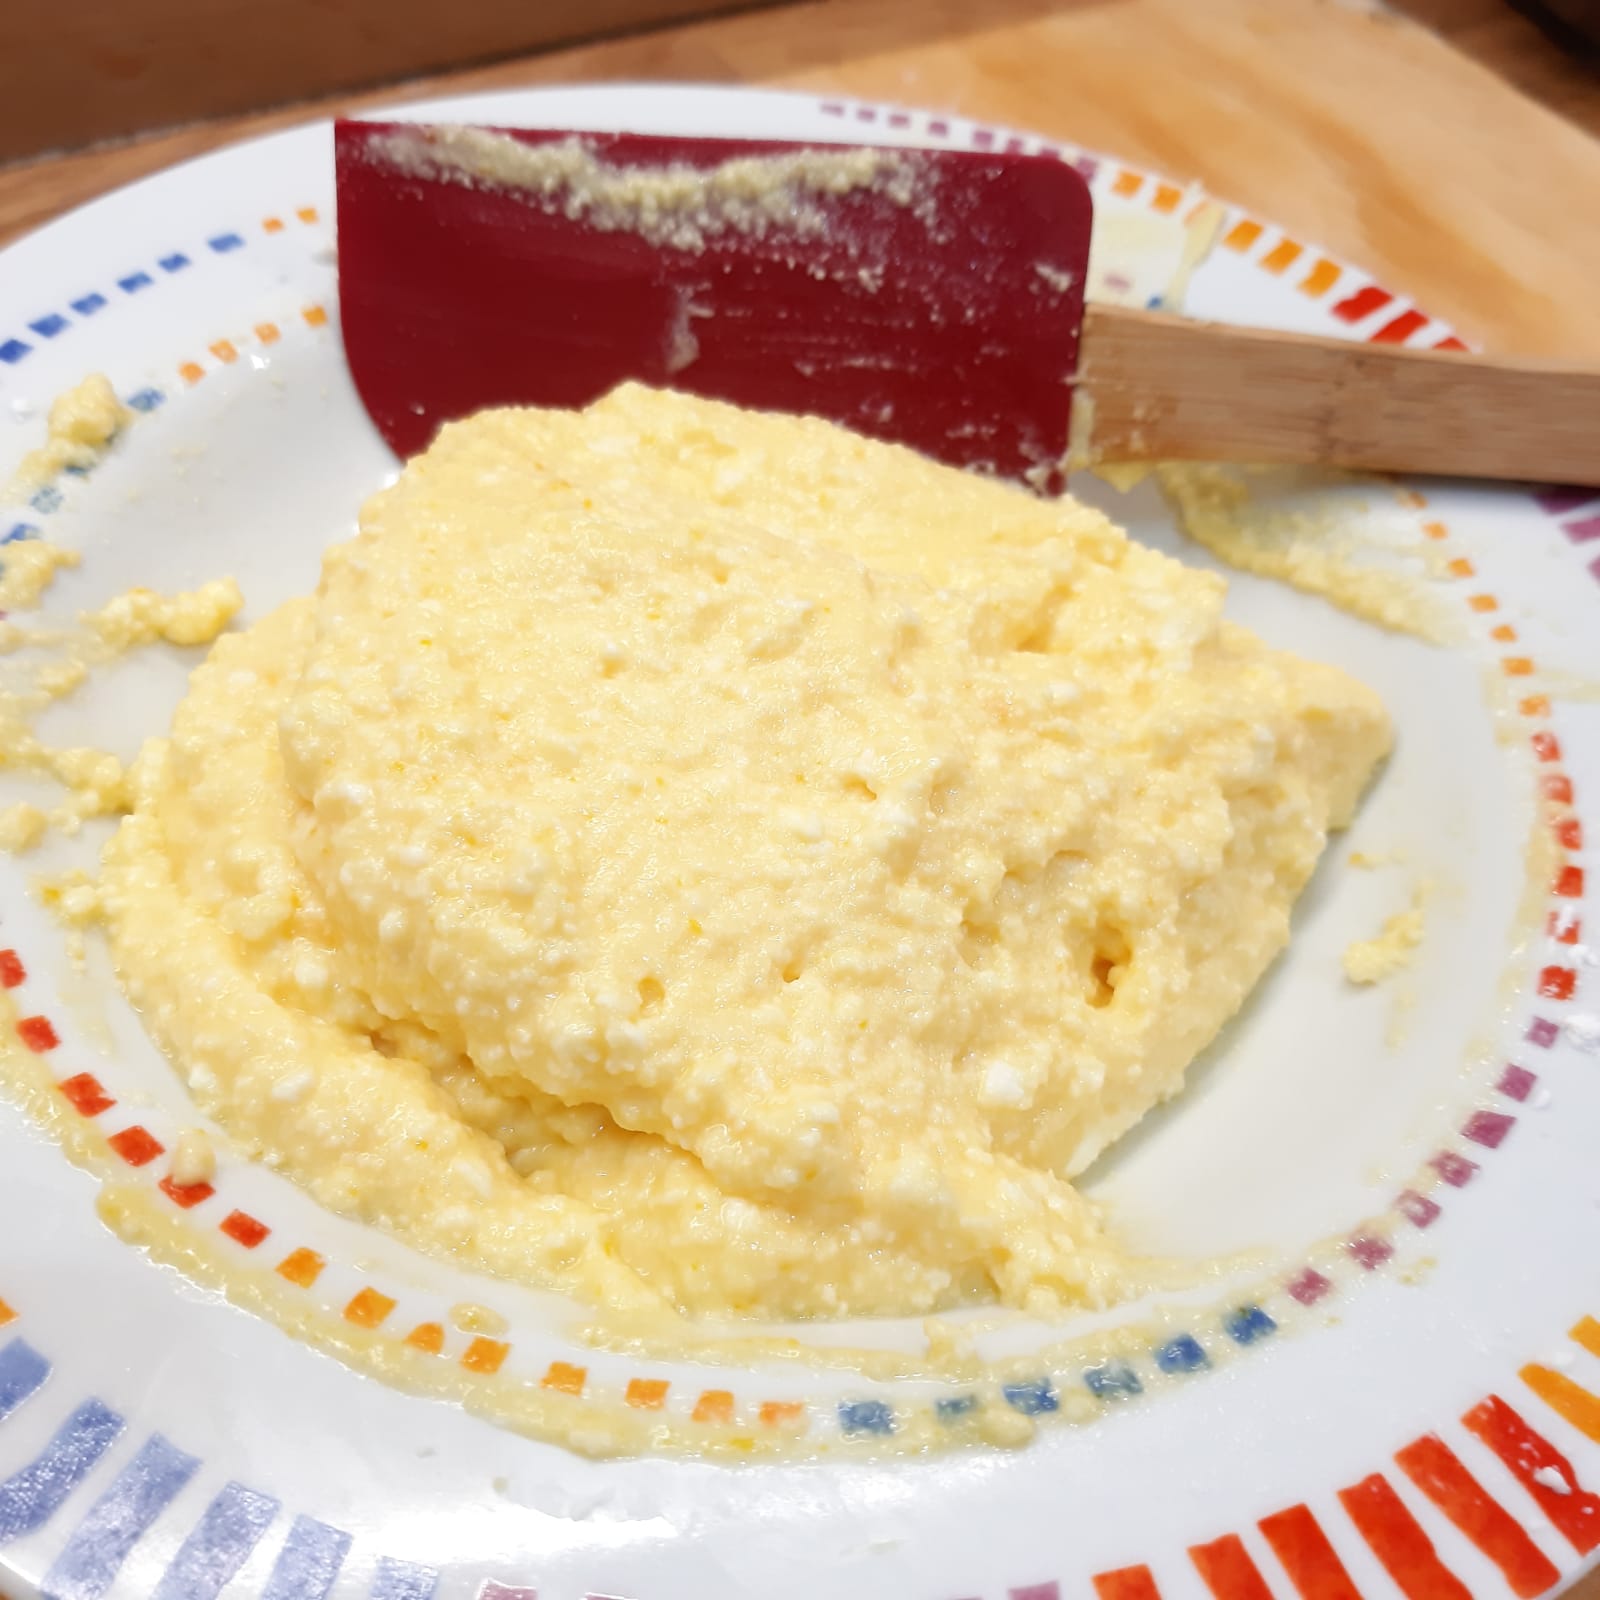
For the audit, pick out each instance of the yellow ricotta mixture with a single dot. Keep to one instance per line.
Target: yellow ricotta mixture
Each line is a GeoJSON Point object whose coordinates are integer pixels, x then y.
{"type": "Point", "coordinates": [22, 826]}
{"type": "Point", "coordinates": [82, 424]}
{"type": "Point", "coordinates": [710, 862]}
{"type": "Point", "coordinates": [27, 568]}
{"type": "Point", "coordinates": [141, 616]}
{"type": "Point", "coordinates": [1317, 554]}
{"type": "Point", "coordinates": [1392, 948]}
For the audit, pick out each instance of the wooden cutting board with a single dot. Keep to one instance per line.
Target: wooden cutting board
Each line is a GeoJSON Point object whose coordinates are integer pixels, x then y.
{"type": "Point", "coordinates": [1346, 124]}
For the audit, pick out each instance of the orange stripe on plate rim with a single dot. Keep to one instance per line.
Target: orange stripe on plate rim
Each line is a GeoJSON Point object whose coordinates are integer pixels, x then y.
{"type": "Point", "coordinates": [1530, 1457]}
{"type": "Point", "coordinates": [485, 1356]}
{"type": "Point", "coordinates": [714, 1405]}
{"type": "Point", "coordinates": [1438, 1472]}
{"type": "Point", "coordinates": [648, 1394]}
{"type": "Point", "coordinates": [428, 1337]}
{"type": "Point", "coordinates": [302, 1267]}
{"type": "Point", "coordinates": [1282, 256]}
{"type": "Point", "coordinates": [368, 1308]}
{"type": "Point", "coordinates": [1126, 1583]}
{"type": "Point", "coordinates": [1307, 1555]}
{"type": "Point", "coordinates": [1399, 329]}
{"type": "Point", "coordinates": [1228, 1571]}
{"type": "Point", "coordinates": [1397, 1540]}
{"type": "Point", "coordinates": [1586, 1332]}
{"type": "Point", "coordinates": [1564, 1397]}
{"type": "Point", "coordinates": [1321, 278]}
{"type": "Point", "coordinates": [565, 1378]}
{"type": "Point", "coordinates": [244, 1229]}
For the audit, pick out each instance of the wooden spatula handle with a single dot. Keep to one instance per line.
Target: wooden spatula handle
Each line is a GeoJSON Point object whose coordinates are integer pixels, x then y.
{"type": "Point", "coordinates": [1165, 388]}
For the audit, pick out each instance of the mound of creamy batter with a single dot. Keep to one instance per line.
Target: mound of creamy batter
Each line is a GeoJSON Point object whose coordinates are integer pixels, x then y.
{"type": "Point", "coordinates": [711, 861]}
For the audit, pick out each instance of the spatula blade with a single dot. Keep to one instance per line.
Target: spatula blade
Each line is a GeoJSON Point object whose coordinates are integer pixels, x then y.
{"type": "Point", "coordinates": [938, 306]}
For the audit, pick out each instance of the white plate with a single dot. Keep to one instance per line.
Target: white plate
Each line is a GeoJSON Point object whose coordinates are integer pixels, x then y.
{"type": "Point", "coordinates": [156, 1440]}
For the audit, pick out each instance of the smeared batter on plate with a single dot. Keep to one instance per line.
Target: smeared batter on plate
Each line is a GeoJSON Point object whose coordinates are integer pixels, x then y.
{"type": "Point", "coordinates": [712, 862]}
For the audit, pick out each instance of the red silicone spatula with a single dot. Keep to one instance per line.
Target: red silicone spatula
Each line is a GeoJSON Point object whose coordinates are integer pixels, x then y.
{"type": "Point", "coordinates": [935, 302]}
{"type": "Point", "coordinates": [928, 297]}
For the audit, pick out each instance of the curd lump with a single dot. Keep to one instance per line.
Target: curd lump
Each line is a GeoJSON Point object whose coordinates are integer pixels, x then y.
{"type": "Point", "coordinates": [81, 426]}
{"type": "Point", "coordinates": [711, 862]}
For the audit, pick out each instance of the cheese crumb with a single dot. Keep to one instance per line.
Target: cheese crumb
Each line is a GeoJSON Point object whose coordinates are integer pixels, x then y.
{"type": "Point", "coordinates": [73, 897]}
{"type": "Point", "coordinates": [1003, 1085]}
{"type": "Point", "coordinates": [1371, 860]}
{"type": "Point", "coordinates": [83, 423]}
{"type": "Point", "coordinates": [141, 616]}
{"type": "Point", "coordinates": [1004, 1426]}
{"type": "Point", "coordinates": [469, 1317]}
{"type": "Point", "coordinates": [22, 827]}
{"type": "Point", "coordinates": [1313, 553]}
{"type": "Point", "coordinates": [27, 568]}
{"type": "Point", "coordinates": [194, 1160]}
{"type": "Point", "coordinates": [58, 681]}
{"type": "Point", "coordinates": [1123, 476]}
{"type": "Point", "coordinates": [1373, 960]}
{"type": "Point", "coordinates": [294, 1086]}
{"type": "Point", "coordinates": [97, 779]}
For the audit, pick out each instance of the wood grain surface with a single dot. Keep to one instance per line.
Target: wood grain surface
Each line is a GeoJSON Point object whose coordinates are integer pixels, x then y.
{"type": "Point", "coordinates": [1504, 39]}
{"type": "Point", "coordinates": [1167, 388]}
{"type": "Point", "coordinates": [1353, 128]}
{"type": "Point", "coordinates": [123, 69]}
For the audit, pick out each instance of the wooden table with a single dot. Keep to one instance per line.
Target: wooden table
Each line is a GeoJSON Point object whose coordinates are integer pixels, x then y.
{"type": "Point", "coordinates": [1351, 127]}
